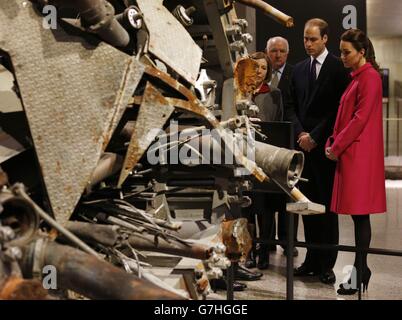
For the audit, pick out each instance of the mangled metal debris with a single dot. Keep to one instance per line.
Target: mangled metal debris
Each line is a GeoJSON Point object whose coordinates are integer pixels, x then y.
{"type": "Point", "coordinates": [73, 95]}
{"type": "Point", "coordinates": [97, 93]}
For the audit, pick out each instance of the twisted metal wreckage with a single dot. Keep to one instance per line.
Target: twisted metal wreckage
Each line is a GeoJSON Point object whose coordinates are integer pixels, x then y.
{"type": "Point", "coordinates": [77, 191]}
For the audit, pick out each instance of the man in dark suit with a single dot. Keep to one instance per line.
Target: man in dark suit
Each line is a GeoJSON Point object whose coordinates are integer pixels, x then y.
{"type": "Point", "coordinates": [317, 85]}
{"type": "Point", "coordinates": [277, 50]}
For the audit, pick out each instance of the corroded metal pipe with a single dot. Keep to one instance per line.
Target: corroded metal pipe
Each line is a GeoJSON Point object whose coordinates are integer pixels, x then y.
{"type": "Point", "coordinates": [88, 276]}
{"type": "Point", "coordinates": [109, 235]}
{"type": "Point", "coordinates": [109, 164]}
{"type": "Point", "coordinates": [97, 16]}
{"type": "Point", "coordinates": [270, 11]}
{"type": "Point", "coordinates": [283, 165]}
{"type": "Point", "coordinates": [18, 214]}
{"type": "Point", "coordinates": [106, 235]}
{"type": "Point", "coordinates": [150, 242]}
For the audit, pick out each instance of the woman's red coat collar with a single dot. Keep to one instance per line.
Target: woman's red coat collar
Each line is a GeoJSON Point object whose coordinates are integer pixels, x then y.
{"type": "Point", "coordinates": [364, 67]}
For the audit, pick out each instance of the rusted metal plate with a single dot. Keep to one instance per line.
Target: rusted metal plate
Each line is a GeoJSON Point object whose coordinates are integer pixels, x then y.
{"type": "Point", "coordinates": [73, 93]}
{"type": "Point", "coordinates": [236, 238]}
{"type": "Point", "coordinates": [245, 75]}
{"type": "Point", "coordinates": [154, 111]}
{"type": "Point", "coordinates": [170, 41]}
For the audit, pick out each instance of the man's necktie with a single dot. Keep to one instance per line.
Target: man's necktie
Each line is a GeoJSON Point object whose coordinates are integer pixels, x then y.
{"type": "Point", "coordinates": [313, 75]}
{"type": "Point", "coordinates": [275, 80]}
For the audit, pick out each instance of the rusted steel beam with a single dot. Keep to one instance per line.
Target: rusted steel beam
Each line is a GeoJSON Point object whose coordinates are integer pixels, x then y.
{"type": "Point", "coordinates": [194, 105]}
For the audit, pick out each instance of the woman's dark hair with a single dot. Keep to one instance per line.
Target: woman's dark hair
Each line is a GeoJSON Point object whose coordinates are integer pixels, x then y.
{"type": "Point", "coordinates": [261, 55]}
{"type": "Point", "coordinates": [360, 41]}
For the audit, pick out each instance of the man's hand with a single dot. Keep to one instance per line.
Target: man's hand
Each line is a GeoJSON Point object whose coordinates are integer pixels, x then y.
{"type": "Point", "coordinates": [330, 155]}
{"type": "Point", "coordinates": [306, 142]}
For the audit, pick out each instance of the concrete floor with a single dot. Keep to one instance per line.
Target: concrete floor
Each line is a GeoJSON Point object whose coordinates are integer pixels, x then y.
{"type": "Point", "coordinates": [386, 279]}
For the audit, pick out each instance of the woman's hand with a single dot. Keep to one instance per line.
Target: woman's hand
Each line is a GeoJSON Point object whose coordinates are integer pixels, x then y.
{"type": "Point", "coordinates": [330, 155]}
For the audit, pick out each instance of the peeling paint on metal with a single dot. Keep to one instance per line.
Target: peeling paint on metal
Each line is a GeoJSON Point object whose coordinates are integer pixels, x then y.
{"type": "Point", "coordinates": [154, 111]}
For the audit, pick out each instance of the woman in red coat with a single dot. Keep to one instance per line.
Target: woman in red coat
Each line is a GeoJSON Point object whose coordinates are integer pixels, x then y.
{"type": "Point", "coordinates": [357, 146]}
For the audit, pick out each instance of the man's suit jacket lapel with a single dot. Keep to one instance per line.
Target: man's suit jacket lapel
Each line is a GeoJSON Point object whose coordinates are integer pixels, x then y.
{"type": "Point", "coordinates": [319, 81]}
{"type": "Point", "coordinates": [285, 78]}
{"type": "Point", "coordinates": [305, 88]}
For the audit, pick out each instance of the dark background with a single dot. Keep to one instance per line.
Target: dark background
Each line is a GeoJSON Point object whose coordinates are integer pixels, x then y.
{"type": "Point", "coordinates": [301, 11]}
